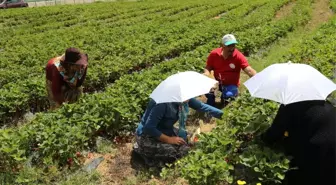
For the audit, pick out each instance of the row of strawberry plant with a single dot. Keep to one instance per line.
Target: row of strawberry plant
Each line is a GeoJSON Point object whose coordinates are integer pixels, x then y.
{"type": "Point", "coordinates": [33, 99]}
{"type": "Point", "coordinates": [32, 54]}
{"type": "Point", "coordinates": [13, 67]}
{"type": "Point", "coordinates": [85, 17]}
{"type": "Point", "coordinates": [233, 151]}
{"type": "Point", "coordinates": [45, 135]}
{"type": "Point", "coordinates": [276, 29]}
{"type": "Point", "coordinates": [317, 50]}
{"type": "Point", "coordinates": [126, 83]}
{"type": "Point", "coordinates": [24, 57]}
{"type": "Point", "coordinates": [24, 96]}
{"type": "Point", "coordinates": [22, 42]}
{"type": "Point", "coordinates": [58, 135]}
{"type": "Point", "coordinates": [106, 29]}
{"type": "Point", "coordinates": [30, 19]}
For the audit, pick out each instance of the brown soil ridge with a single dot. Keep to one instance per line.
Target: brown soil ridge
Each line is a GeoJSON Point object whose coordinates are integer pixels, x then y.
{"type": "Point", "coordinates": [321, 14]}
{"type": "Point", "coordinates": [285, 10]}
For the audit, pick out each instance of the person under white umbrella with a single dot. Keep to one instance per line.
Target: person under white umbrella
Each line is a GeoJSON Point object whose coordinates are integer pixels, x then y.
{"type": "Point", "coordinates": [305, 122]}
{"type": "Point", "coordinates": [157, 141]}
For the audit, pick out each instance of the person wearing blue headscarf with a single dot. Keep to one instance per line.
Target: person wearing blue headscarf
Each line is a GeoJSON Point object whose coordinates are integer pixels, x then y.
{"type": "Point", "coordinates": [157, 140]}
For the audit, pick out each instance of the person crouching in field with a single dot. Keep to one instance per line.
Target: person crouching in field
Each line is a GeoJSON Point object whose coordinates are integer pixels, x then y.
{"type": "Point", "coordinates": [306, 131]}
{"type": "Point", "coordinates": [64, 77]}
{"type": "Point", "coordinates": [157, 140]}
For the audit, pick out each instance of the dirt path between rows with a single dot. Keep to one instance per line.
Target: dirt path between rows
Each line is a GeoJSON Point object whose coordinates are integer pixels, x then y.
{"type": "Point", "coordinates": [116, 169]}
{"type": "Point", "coordinates": [284, 10]}
{"type": "Point", "coordinates": [321, 14]}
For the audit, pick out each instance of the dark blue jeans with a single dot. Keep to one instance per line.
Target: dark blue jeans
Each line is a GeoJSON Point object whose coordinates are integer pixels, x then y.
{"type": "Point", "coordinates": [228, 92]}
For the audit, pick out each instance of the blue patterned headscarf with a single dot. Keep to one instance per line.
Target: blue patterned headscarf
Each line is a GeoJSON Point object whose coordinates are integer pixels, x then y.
{"type": "Point", "coordinates": [183, 115]}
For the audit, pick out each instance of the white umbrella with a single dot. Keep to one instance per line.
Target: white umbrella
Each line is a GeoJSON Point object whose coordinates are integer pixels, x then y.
{"type": "Point", "coordinates": [182, 86]}
{"type": "Point", "coordinates": [289, 82]}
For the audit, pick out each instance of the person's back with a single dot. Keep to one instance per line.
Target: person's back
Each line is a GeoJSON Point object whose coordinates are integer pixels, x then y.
{"type": "Point", "coordinates": [311, 140]}
{"type": "Point", "coordinates": [311, 123]}
{"type": "Point", "coordinates": [318, 156]}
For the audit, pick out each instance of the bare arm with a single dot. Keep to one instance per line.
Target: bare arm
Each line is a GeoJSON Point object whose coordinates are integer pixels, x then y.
{"type": "Point", "coordinates": [250, 71]}
{"type": "Point", "coordinates": [209, 64]}
{"type": "Point", "coordinates": [207, 71]}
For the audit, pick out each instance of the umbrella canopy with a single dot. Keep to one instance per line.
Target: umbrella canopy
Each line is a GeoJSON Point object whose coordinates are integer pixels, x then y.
{"type": "Point", "coordinates": [182, 86]}
{"type": "Point", "coordinates": [289, 83]}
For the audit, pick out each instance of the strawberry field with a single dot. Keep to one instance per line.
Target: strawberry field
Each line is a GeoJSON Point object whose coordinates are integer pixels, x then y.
{"type": "Point", "coordinates": [132, 47]}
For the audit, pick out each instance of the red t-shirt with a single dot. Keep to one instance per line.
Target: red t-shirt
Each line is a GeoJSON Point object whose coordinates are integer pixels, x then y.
{"type": "Point", "coordinates": [227, 71]}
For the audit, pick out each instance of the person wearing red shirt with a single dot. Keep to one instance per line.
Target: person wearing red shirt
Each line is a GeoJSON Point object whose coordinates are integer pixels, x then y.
{"type": "Point", "coordinates": [227, 62]}
{"type": "Point", "coordinates": [64, 77]}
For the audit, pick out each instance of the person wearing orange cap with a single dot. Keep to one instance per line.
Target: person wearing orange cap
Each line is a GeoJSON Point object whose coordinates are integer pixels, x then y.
{"type": "Point", "coordinates": [64, 77]}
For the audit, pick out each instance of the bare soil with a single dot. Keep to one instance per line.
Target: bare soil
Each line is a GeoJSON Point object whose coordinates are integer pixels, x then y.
{"type": "Point", "coordinates": [116, 169]}
{"type": "Point", "coordinates": [321, 14]}
{"type": "Point", "coordinates": [220, 15]}
{"type": "Point", "coordinates": [284, 10]}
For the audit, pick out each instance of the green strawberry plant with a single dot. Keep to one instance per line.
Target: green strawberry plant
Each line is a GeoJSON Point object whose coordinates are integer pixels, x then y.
{"type": "Point", "coordinates": [55, 137]}
{"type": "Point", "coordinates": [235, 144]}
{"type": "Point", "coordinates": [109, 61]}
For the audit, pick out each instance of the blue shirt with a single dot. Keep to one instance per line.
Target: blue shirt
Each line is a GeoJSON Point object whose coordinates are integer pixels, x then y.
{"type": "Point", "coordinates": [160, 118]}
